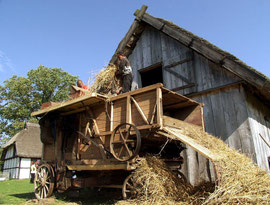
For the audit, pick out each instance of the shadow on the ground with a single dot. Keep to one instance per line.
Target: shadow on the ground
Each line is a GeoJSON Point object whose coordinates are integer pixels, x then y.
{"type": "Point", "coordinates": [90, 196]}
{"type": "Point", "coordinates": [27, 196]}
{"type": "Point", "coordinates": [85, 196]}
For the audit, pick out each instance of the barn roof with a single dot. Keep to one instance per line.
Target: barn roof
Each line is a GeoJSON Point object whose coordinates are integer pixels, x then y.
{"type": "Point", "coordinates": [228, 61]}
{"type": "Point", "coordinates": [27, 142]}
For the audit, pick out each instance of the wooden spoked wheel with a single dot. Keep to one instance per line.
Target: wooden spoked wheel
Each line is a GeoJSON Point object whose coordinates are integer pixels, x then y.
{"type": "Point", "coordinates": [44, 182]}
{"type": "Point", "coordinates": [125, 142]}
{"type": "Point", "coordinates": [129, 189]}
{"type": "Point", "coordinates": [180, 175]}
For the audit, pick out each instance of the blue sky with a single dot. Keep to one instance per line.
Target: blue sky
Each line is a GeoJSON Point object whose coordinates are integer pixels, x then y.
{"type": "Point", "coordinates": [80, 36]}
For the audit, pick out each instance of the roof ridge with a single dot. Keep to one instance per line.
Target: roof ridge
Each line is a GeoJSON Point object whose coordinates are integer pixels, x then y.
{"type": "Point", "coordinates": [211, 45]}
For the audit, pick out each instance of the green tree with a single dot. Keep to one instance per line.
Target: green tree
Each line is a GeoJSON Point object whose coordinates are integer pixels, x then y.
{"type": "Point", "coordinates": [20, 96]}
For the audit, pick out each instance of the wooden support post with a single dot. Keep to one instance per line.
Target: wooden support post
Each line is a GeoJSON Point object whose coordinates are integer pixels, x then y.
{"type": "Point", "coordinates": [217, 173]}
{"type": "Point", "coordinates": [128, 111]}
{"type": "Point", "coordinates": [153, 114]}
{"type": "Point", "coordinates": [159, 107]}
{"type": "Point", "coordinates": [88, 130]}
{"type": "Point", "coordinates": [79, 139]}
{"type": "Point", "coordinates": [94, 120]}
{"type": "Point", "coordinates": [140, 110]}
{"type": "Point", "coordinates": [111, 122]}
{"type": "Point", "coordinates": [55, 148]}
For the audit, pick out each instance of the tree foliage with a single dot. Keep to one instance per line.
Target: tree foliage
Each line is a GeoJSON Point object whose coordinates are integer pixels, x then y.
{"type": "Point", "coordinates": [20, 96]}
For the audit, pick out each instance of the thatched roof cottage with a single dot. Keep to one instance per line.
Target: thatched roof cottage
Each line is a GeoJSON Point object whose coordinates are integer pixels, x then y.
{"type": "Point", "coordinates": [21, 150]}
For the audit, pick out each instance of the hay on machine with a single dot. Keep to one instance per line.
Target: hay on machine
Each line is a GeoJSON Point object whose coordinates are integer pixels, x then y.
{"type": "Point", "coordinates": [106, 81]}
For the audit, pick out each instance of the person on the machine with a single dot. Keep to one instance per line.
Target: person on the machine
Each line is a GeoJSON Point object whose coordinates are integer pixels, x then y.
{"type": "Point", "coordinates": [81, 85]}
{"type": "Point", "coordinates": [125, 72]}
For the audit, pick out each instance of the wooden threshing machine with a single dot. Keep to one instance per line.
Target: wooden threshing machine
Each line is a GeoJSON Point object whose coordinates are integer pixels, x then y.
{"type": "Point", "coordinates": [95, 141]}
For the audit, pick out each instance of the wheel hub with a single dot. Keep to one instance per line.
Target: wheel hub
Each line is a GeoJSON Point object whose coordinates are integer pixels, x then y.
{"type": "Point", "coordinates": [43, 182]}
{"type": "Point", "coordinates": [125, 142]}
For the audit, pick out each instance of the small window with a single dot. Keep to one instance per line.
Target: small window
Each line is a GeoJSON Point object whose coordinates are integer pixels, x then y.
{"type": "Point", "coordinates": [151, 75]}
{"type": "Point", "coordinates": [269, 162]}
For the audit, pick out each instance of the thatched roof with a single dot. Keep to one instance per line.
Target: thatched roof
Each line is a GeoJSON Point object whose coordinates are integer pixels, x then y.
{"type": "Point", "coordinates": [27, 142]}
{"type": "Point", "coordinates": [226, 60]}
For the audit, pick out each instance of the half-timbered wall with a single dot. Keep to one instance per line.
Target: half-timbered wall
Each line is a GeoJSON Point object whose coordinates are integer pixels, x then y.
{"type": "Point", "coordinates": [10, 152]}
{"type": "Point", "coordinates": [189, 73]}
{"type": "Point", "coordinates": [16, 167]}
{"type": "Point", "coordinates": [11, 163]}
{"type": "Point", "coordinates": [11, 166]}
{"type": "Point", "coordinates": [25, 164]}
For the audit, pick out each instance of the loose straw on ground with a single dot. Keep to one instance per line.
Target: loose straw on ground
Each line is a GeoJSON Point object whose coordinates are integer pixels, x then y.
{"type": "Point", "coordinates": [241, 180]}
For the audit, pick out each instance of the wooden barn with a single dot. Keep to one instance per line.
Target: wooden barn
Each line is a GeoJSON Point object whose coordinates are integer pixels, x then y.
{"type": "Point", "coordinates": [21, 150]}
{"type": "Point", "coordinates": [236, 97]}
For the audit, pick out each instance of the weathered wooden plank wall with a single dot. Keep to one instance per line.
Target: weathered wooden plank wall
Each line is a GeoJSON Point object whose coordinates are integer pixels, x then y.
{"type": "Point", "coordinates": [226, 112]}
{"type": "Point", "coordinates": [259, 121]}
{"type": "Point", "coordinates": [146, 53]}
{"type": "Point", "coordinates": [173, 52]}
{"type": "Point", "coordinates": [226, 116]}
{"type": "Point", "coordinates": [154, 47]}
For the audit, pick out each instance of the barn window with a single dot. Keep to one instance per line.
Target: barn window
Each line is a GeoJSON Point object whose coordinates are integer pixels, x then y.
{"type": "Point", "coordinates": [151, 75]}
{"type": "Point", "coordinates": [269, 162]}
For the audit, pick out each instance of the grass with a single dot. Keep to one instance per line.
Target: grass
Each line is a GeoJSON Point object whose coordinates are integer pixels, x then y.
{"type": "Point", "coordinates": [21, 192]}
{"type": "Point", "coordinates": [15, 191]}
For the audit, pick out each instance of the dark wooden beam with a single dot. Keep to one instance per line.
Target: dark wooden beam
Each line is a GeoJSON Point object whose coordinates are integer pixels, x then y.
{"type": "Point", "coordinates": [139, 13]}
{"type": "Point", "coordinates": [183, 87]}
{"type": "Point", "coordinates": [178, 75]}
{"type": "Point", "coordinates": [150, 67]}
{"type": "Point", "coordinates": [141, 90]}
{"type": "Point", "coordinates": [179, 62]}
{"type": "Point", "coordinates": [175, 103]}
{"type": "Point", "coordinates": [125, 40]}
{"type": "Point", "coordinates": [216, 88]}
{"type": "Point", "coordinates": [152, 21]}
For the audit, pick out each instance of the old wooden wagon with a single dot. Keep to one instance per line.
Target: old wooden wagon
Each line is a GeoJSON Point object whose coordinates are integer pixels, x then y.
{"type": "Point", "coordinates": [95, 141]}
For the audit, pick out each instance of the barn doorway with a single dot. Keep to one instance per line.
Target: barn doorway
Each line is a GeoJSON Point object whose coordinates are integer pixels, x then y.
{"type": "Point", "coordinates": [151, 75]}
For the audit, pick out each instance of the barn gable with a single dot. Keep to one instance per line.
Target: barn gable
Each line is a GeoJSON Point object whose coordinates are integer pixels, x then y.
{"type": "Point", "coordinates": [184, 70]}
{"type": "Point", "coordinates": [236, 97]}
{"type": "Point", "coordinates": [196, 44]}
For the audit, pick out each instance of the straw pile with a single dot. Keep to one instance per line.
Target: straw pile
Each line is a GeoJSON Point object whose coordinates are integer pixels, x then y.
{"type": "Point", "coordinates": [157, 184]}
{"type": "Point", "coordinates": [240, 182]}
{"type": "Point", "coordinates": [106, 81]}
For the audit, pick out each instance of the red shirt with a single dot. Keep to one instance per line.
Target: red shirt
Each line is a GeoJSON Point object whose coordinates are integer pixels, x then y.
{"type": "Point", "coordinates": [85, 87]}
